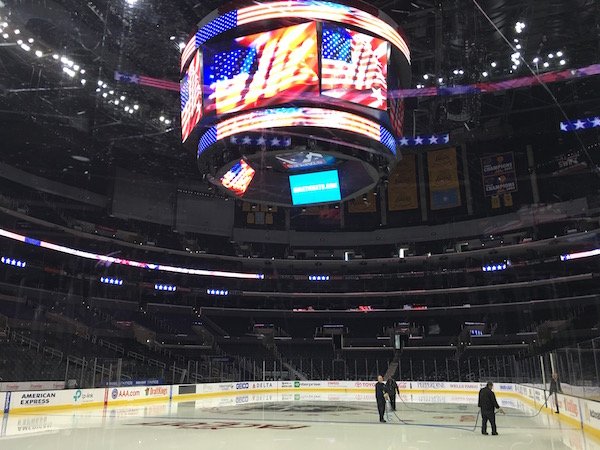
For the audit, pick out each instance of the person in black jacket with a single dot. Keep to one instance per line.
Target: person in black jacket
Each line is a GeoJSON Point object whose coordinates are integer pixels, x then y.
{"type": "Point", "coordinates": [392, 389]}
{"type": "Point", "coordinates": [380, 396]}
{"type": "Point", "coordinates": [488, 404]}
{"type": "Point", "coordinates": [555, 389]}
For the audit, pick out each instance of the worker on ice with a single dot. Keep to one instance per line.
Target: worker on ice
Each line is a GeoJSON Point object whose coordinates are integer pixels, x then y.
{"type": "Point", "coordinates": [380, 395]}
{"type": "Point", "coordinates": [488, 404]}
{"type": "Point", "coordinates": [392, 390]}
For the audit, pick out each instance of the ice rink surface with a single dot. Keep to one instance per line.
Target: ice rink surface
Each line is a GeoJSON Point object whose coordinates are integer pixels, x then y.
{"type": "Point", "coordinates": [300, 421]}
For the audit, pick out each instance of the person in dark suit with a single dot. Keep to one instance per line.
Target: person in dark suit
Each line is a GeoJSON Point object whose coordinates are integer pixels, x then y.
{"type": "Point", "coordinates": [380, 396]}
{"type": "Point", "coordinates": [488, 404]}
{"type": "Point", "coordinates": [392, 389]}
{"type": "Point", "coordinates": [555, 389]}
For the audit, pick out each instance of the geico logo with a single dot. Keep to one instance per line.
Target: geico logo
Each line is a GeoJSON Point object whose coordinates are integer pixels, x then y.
{"type": "Point", "coordinates": [241, 386]}
{"type": "Point", "coordinates": [243, 399]}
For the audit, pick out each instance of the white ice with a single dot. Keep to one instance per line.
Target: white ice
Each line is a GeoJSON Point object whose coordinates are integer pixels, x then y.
{"type": "Point", "coordinates": [296, 421]}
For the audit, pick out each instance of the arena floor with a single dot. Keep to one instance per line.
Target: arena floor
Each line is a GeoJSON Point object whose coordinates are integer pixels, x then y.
{"type": "Point", "coordinates": [293, 421]}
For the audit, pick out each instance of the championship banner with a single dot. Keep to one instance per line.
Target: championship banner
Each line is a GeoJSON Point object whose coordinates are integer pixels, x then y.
{"type": "Point", "coordinates": [444, 189]}
{"type": "Point", "coordinates": [358, 205]}
{"type": "Point", "coordinates": [402, 185]}
{"type": "Point", "coordinates": [499, 174]}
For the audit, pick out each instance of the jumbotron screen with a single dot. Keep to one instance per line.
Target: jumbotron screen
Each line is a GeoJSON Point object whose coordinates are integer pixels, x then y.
{"type": "Point", "coordinates": [316, 187]}
{"type": "Point", "coordinates": [238, 178]}
{"type": "Point", "coordinates": [354, 67]}
{"type": "Point", "coordinates": [261, 69]}
{"type": "Point", "coordinates": [304, 160]}
{"type": "Point", "coordinates": [191, 97]}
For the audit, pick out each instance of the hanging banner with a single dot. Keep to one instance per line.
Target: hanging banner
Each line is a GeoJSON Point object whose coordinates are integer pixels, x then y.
{"type": "Point", "coordinates": [499, 174]}
{"type": "Point", "coordinates": [402, 185]}
{"type": "Point", "coordinates": [444, 188]}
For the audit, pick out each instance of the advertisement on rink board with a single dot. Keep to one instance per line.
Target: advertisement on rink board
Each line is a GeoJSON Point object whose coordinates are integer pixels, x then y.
{"type": "Point", "coordinates": [139, 393]}
{"type": "Point", "coordinates": [32, 386]}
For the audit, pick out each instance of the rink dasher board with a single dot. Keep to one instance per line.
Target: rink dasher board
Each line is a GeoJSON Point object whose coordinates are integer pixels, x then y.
{"type": "Point", "coordinates": [575, 412]}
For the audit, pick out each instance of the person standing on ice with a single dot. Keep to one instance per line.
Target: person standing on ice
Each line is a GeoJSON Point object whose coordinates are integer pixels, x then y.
{"type": "Point", "coordinates": [380, 395]}
{"type": "Point", "coordinates": [392, 389]}
{"type": "Point", "coordinates": [488, 404]}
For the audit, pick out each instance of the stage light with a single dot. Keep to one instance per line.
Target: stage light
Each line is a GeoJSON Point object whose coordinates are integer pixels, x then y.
{"type": "Point", "coordinates": [485, 74]}
{"type": "Point", "coordinates": [536, 60]}
{"type": "Point", "coordinates": [455, 72]}
{"type": "Point", "coordinates": [168, 122]}
{"type": "Point", "coordinates": [426, 77]}
{"type": "Point", "coordinates": [161, 118]}
{"type": "Point", "coordinates": [5, 36]}
{"type": "Point", "coordinates": [514, 67]}
{"type": "Point", "coordinates": [131, 2]}
{"type": "Point", "coordinates": [562, 62]}
{"type": "Point", "coordinates": [550, 55]}
{"type": "Point", "coordinates": [83, 81]}
{"type": "Point", "coordinates": [494, 64]}
{"type": "Point", "coordinates": [100, 83]}
{"type": "Point", "coordinates": [39, 53]}
{"type": "Point", "coordinates": [17, 31]}
{"type": "Point", "coordinates": [440, 80]}
{"type": "Point", "coordinates": [559, 54]}
{"type": "Point", "coordinates": [111, 92]}
{"type": "Point", "coordinates": [546, 64]}
{"type": "Point", "coordinates": [181, 46]}
{"type": "Point", "coordinates": [122, 97]}
{"type": "Point", "coordinates": [82, 71]}
{"type": "Point", "coordinates": [55, 56]}
{"type": "Point", "coordinates": [104, 94]}
{"type": "Point", "coordinates": [25, 47]}
{"type": "Point", "coordinates": [69, 72]}
{"type": "Point", "coordinates": [518, 46]}
{"type": "Point", "coordinates": [136, 107]}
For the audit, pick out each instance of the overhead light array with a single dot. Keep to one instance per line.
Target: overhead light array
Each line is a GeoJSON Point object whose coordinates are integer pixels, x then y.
{"type": "Point", "coordinates": [72, 69]}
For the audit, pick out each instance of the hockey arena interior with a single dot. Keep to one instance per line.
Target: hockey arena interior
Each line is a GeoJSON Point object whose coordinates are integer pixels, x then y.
{"type": "Point", "coordinates": [292, 224]}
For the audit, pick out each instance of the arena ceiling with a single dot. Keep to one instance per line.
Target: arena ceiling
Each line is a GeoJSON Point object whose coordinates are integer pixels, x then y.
{"type": "Point", "coordinates": [55, 126]}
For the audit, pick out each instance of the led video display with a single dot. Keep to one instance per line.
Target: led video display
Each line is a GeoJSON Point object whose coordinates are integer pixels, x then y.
{"type": "Point", "coordinates": [304, 160]}
{"type": "Point", "coordinates": [191, 97]}
{"type": "Point", "coordinates": [316, 187]}
{"type": "Point", "coordinates": [262, 69]}
{"type": "Point", "coordinates": [354, 67]}
{"type": "Point", "coordinates": [238, 178]}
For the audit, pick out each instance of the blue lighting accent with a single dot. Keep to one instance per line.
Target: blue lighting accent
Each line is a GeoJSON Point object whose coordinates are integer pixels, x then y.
{"type": "Point", "coordinates": [387, 139]}
{"type": "Point", "coordinates": [32, 241]}
{"type": "Point", "coordinates": [112, 281]}
{"type": "Point", "coordinates": [416, 141]}
{"type": "Point", "coordinates": [13, 262]}
{"type": "Point", "coordinates": [216, 26]}
{"type": "Point", "coordinates": [221, 292]}
{"type": "Point", "coordinates": [165, 287]}
{"type": "Point", "coordinates": [580, 124]}
{"type": "Point", "coordinates": [315, 187]}
{"type": "Point", "coordinates": [337, 44]}
{"type": "Point", "coordinates": [208, 138]}
{"type": "Point", "coordinates": [318, 278]}
{"type": "Point", "coordinates": [496, 267]}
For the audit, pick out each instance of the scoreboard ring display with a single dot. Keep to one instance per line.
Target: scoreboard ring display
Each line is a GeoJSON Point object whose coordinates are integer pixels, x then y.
{"type": "Point", "coordinates": [279, 94]}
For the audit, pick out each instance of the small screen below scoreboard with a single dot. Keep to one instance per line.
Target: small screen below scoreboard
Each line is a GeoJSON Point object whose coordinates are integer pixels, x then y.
{"type": "Point", "coordinates": [316, 187]}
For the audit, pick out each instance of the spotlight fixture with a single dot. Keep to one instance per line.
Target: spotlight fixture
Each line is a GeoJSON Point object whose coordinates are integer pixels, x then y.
{"type": "Point", "coordinates": [496, 267]}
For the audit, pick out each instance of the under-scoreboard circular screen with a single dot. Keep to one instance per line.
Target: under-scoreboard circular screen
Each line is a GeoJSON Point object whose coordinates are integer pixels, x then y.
{"type": "Point", "coordinates": [297, 81]}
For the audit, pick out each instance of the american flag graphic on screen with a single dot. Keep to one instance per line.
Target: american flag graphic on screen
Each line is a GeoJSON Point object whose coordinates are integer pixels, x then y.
{"type": "Point", "coordinates": [191, 98]}
{"type": "Point", "coordinates": [354, 67]}
{"type": "Point", "coordinates": [263, 69]}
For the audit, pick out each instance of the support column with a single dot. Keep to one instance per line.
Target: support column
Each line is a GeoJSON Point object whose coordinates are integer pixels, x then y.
{"type": "Point", "coordinates": [466, 180]}
{"type": "Point", "coordinates": [532, 175]}
{"type": "Point", "coordinates": [422, 187]}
